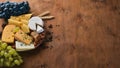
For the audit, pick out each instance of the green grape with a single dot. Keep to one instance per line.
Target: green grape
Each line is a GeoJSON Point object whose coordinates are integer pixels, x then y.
{"type": "Point", "coordinates": [4, 45]}
{"type": "Point", "coordinates": [16, 29]}
{"type": "Point", "coordinates": [20, 60]}
{"type": "Point", "coordinates": [16, 62]}
{"type": "Point", "coordinates": [2, 53]}
{"type": "Point", "coordinates": [15, 54]}
{"type": "Point", "coordinates": [7, 63]}
{"type": "Point", "coordinates": [9, 47]}
{"type": "Point", "coordinates": [10, 59]}
{"type": "Point", "coordinates": [6, 54]}
{"type": "Point", "coordinates": [12, 51]}
{"type": "Point", "coordinates": [0, 48]}
{"type": "Point", "coordinates": [19, 57]}
{"type": "Point", "coordinates": [1, 61]}
{"type": "Point", "coordinates": [12, 64]}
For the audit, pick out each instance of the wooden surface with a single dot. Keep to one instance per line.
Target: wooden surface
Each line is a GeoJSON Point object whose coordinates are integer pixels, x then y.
{"type": "Point", "coordinates": [85, 35]}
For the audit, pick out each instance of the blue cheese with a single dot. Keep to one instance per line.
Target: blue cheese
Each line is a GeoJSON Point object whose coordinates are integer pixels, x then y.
{"type": "Point", "coordinates": [20, 46]}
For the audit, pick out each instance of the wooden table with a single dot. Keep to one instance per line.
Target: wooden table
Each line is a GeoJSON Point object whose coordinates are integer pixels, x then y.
{"type": "Point", "coordinates": [85, 35]}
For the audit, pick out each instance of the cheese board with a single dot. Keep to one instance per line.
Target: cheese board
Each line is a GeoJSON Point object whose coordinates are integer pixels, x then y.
{"type": "Point", "coordinates": [21, 30]}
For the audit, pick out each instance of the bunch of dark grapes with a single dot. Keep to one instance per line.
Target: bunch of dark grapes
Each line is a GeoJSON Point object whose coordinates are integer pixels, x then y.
{"type": "Point", "coordinates": [8, 9]}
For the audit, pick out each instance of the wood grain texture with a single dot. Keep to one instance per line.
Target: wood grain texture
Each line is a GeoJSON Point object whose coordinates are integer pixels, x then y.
{"type": "Point", "coordinates": [85, 35]}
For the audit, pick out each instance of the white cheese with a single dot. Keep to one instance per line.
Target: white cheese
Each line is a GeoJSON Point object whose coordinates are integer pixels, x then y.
{"type": "Point", "coordinates": [35, 21]}
{"type": "Point", "coordinates": [32, 25]}
{"type": "Point", "coordinates": [23, 47]}
{"type": "Point", "coordinates": [39, 29]}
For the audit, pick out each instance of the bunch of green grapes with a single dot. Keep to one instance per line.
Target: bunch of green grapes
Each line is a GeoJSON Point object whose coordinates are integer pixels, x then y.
{"type": "Point", "coordinates": [8, 56]}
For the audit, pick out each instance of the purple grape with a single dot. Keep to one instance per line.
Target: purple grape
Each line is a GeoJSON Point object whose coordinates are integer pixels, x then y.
{"type": "Point", "coordinates": [12, 8]}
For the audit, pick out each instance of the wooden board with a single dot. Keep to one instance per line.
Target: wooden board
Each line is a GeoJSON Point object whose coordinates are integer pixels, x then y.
{"type": "Point", "coordinates": [85, 35]}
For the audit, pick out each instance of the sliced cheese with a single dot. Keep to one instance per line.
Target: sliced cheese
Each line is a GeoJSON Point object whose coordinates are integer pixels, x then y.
{"type": "Point", "coordinates": [23, 37]}
{"type": "Point", "coordinates": [14, 22]}
{"type": "Point", "coordinates": [39, 29]}
{"type": "Point", "coordinates": [27, 16]}
{"type": "Point", "coordinates": [23, 47]}
{"type": "Point", "coordinates": [24, 21]}
{"type": "Point", "coordinates": [8, 34]}
{"type": "Point", "coordinates": [24, 16]}
{"type": "Point", "coordinates": [25, 28]}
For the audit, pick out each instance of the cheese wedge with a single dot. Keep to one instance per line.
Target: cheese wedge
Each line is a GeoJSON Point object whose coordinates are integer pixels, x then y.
{"type": "Point", "coordinates": [27, 16]}
{"type": "Point", "coordinates": [23, 37]}
{"type": "Point", "coordinates": [24, 21]}
{"type": "Point", "coordinates": [14, 22]}
{"type": "Point", "coordinates": [24, 16]}
{"type": "Point", "coordinates": [20, 46]}
{"type": "Point", "coordinates": [8, 34]}
{"type": "Point", "coordinates": [25, 28]}
{"type": "Point", "coordinates": [39, 29]}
